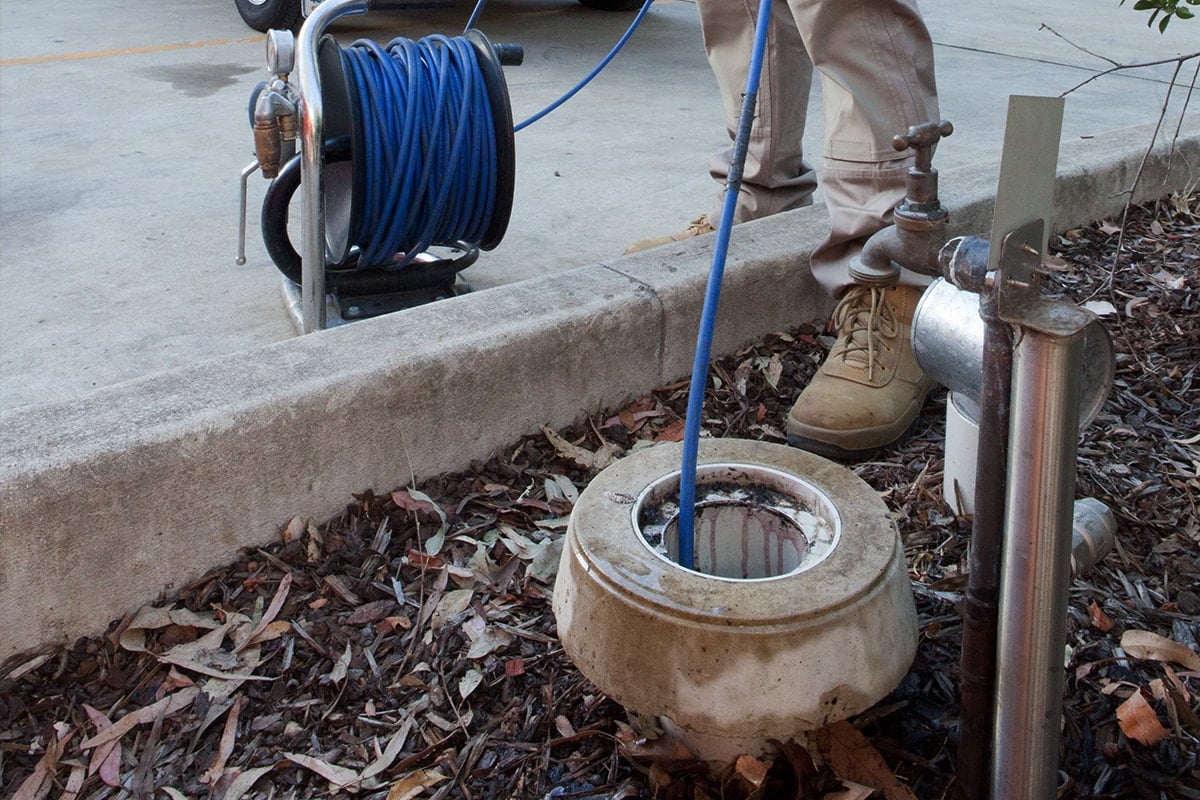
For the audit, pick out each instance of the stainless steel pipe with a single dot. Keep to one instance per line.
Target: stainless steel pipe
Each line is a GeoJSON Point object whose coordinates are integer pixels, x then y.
{"type": "Point", "coordinates": [1037, 550]}
{"type": "Point", "coordinates": [312, 159]}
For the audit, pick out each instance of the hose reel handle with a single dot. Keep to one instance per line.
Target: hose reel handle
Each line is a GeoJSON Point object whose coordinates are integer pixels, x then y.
{"type": "Point", "coordinates": [509, 54]}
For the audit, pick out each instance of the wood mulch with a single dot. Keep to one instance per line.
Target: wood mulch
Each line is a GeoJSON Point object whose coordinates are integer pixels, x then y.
{"type": "Point", "coordinates": [407, 648]}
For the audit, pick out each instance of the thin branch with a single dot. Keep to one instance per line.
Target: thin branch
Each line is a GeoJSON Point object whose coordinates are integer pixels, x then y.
{"type": "Point", "coordinates": [1116, 66]}
{"type": "Point", "coordinates": [1137, 176]}
{"type": "Point", "coordinates": [1081, 48]}
{"type": "Point", "coordinates": [1182, 113]}
{"type": "Point", "coordinates": [1178, 61]}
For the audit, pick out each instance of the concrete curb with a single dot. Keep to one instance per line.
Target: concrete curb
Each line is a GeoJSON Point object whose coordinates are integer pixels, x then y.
{"type": "Point", "coordinates": [108, 501]}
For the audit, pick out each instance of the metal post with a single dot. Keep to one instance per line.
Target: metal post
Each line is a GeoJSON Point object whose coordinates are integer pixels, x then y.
{"type": "Point", "coordinates": [312, 147]}
{"type": "Point", "coordinates": [1037, 550]}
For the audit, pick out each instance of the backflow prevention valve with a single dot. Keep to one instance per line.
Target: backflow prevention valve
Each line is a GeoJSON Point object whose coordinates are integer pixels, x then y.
{"type": "Point", "coordinates": [404, 155]}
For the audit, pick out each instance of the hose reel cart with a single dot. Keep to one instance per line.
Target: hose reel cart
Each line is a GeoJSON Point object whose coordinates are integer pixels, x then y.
{"type": "Point", "coordinates": [404, 158]}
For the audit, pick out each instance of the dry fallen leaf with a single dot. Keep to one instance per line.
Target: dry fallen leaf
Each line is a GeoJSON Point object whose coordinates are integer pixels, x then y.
{"type": "Point", "coordinates": [1101, 308]}
{"type": "Point", "coordinates": [338, 673]}
{"type": "Point", "coordinates": [244, 780]}
{"type": "Point", "coordinates": [488, 641]}
{"type": "Point", "coordinates": [28, 666]}
{"type": "Point", "coordinates": [452, 604]}
{"type": "Point", "coordinates": [39, 782]}
{"type": "Point", "coordinates": [1100, 621]}
{"type": "Point", "coordinates": [672, 432]}
{"type": "Point", "coordinates": [281, 593]}
{"type": "Point", "coordinates": [581, 456]}
{"type": "Point", "coordinates": [133, 637]}
{"type": "Point", "coordinates": [171, 704]}
{"type": "Point", "coordinates": [852, 758]}
{"type": "Point", "coordinates": [414, 783]}
{"type": "Point", "coordinates": [106, 759]}
{"type": "Point", "coordinates": [751, 770]}
{"type": "Point", "coordinates": [851, 791]}
{"type": "Point", "coordinates": [469, 682]}
{"type": "Point", "coordinates": [338, 776]}
{"type": "Point", "coordinates": [74, 782]}
{"type": "Point", "coordinates": [225, 746]}
{"type": "Point", "coordinates": [1139, 722]}
{"type": "Point", "coordinates": [1152, 647]}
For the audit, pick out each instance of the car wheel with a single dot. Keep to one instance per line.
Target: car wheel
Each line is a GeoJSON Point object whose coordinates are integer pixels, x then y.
{"type": "Point", "coordinates": [613, 5]}
{"type": "Point", "coordinates": [262, 15]}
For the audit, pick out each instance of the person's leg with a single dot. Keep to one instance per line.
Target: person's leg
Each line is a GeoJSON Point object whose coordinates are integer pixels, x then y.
{"type": "Point", "coordinates": [875, 58]}
{"type": "Point", "coordinates": [876, 63]}
{"type": "Point", "coordinates": [776, 177]}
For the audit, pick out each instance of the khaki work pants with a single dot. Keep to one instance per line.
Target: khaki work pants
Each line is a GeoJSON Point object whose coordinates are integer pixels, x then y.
{"type": "Point", "coordinates": [875, 59]}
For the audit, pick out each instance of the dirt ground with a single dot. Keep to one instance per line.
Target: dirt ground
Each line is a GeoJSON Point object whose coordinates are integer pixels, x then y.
{"type": "Point", "coordinates": [407, 649]}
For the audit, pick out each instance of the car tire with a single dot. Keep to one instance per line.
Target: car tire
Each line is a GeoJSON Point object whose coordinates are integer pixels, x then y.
{"type": "Point", "coordinates": [262, 15]}
{"type": "Point", "coordinates": [613, 5]}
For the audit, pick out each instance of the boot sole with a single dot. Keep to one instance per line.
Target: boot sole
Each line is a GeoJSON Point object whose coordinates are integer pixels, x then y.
{"type": "Point", "coordinates": [828, 449]}
{"type": "Point", "coordinates": [833, 451]}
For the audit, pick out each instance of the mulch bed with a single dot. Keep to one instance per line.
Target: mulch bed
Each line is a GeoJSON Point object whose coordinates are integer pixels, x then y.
{"type": "Point", "coordinates": [407, 649]}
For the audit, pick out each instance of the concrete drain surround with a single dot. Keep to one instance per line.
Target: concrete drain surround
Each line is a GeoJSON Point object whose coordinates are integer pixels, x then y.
{"type": "Point", "coordinates": [799, 612]}
{"type": "Point", "coordinates": [752, 523]}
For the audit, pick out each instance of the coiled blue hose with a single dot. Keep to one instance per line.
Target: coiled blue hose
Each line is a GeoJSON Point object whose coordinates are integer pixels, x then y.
{"type": "Point", "coordinates": [428, 136]}
{"type": "Point", "coordinates": [712, 297]}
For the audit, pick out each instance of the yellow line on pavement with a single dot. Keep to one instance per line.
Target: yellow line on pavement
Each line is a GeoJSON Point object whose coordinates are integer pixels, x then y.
{"type": "Point", "coordinates": [125, 51]}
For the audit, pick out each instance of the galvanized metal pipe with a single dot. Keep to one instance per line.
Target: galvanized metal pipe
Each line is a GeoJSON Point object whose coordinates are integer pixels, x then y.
{"type": "Point", "coordinates": [1037, 550]}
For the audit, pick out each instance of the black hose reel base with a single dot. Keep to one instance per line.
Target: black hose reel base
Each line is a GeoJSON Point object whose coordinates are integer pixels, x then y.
{"type": "Point", "coordinates": [368, 291]}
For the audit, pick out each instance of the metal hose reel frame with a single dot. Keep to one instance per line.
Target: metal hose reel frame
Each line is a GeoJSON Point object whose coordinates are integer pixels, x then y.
{"type": "Point", "coordinates": [315, 72]}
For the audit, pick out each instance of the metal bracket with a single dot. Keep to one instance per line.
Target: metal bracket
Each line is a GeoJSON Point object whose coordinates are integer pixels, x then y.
{"type": "Point", "coordinates": [1019, 298]}
{"type": "Point", "coordinates": [1028, 166]}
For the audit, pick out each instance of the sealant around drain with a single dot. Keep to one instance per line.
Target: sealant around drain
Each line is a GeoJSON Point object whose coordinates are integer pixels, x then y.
{"type": "Point", "coordinates": [752, 522]}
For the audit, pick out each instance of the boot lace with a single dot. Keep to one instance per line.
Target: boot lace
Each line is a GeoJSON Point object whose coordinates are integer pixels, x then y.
{"type": "Point", "coordinates": [866, 325]}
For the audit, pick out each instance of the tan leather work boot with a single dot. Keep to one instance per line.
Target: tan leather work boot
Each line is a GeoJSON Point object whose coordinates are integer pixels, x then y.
{"type": "Point", "coordinates": [697, 227]}
{"type": "Point", "coordinates": [870, 389]}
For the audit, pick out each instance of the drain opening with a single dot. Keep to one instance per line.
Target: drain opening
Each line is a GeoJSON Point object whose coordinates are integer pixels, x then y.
{"type": "Point", "coordinates": [752, 522]}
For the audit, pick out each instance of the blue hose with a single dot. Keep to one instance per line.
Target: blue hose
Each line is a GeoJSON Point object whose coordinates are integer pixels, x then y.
{"type": "Point", "coordinates": [596, 71]}
{"type": "Point", "coordinates": [712, 297]}
{"type": "Point", "coordinates": [428, 138]}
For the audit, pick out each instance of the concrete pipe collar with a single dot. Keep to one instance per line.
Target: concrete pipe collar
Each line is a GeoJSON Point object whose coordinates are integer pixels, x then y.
{"type": "Point", "coordinates": [798, 611]}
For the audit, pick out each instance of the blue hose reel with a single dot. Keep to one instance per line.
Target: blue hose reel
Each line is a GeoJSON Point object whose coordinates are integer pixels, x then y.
{"type": "Point", "coordinates": [418, 169]}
